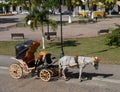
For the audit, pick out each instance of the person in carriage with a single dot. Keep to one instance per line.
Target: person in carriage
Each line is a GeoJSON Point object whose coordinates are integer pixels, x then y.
{"type": "Point", "coordinates": [26, 52]}
{"type": "Point", "coordinates": [28, 63]}
{"type": "Point", "coordinates": [30, 54]}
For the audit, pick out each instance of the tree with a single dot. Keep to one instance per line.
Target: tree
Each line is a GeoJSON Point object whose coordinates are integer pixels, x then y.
{"type": "Point", "coordinates": [51, 5]}
{"type": "Point", "coordinates": [70, 5]}
{"type": "Point", "coordinates": [108, 4]}
{"type": "Point", "coordinates": [37, 16]}
{"type": "Point", "coordinates": [5, 6]}
{"type": "Point", "coordinates": [110, 1]}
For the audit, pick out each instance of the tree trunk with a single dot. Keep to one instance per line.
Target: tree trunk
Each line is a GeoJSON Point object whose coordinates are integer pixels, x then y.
{"type": "Point", "coordinates": [74, 12]}
{"type": "Point", "coordinates": [70, 19]}
{"type": "Point", "coordinates": [79, 9]}
{"type": "Point", "coordinates": [43, 39]}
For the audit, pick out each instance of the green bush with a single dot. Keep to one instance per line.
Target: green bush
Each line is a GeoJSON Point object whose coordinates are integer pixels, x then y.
{"type": "Point", "coordinates": [113, 38]}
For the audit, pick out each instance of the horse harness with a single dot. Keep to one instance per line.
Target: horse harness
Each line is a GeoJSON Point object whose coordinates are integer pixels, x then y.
{"type": "Point", "coordinates": [76, 61]}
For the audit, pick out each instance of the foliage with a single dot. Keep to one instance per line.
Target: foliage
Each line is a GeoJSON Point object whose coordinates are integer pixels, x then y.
{"type": "Point", "coordinates": [114, 37]}
{"type": "Point", "coordinates": [51, 4]}
{"type": "Point", "coordinates": [110, 1]}
{"type": "Point", "coordinates": [25, 4]}
{"type": "Point", "coordinates": [71, 3]}
{"type": "Point", "coordinates": [40, 18]}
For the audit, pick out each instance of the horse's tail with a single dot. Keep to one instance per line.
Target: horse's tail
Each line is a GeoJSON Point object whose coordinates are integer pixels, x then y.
{"type": "Point", "coordinates": [60, 65]}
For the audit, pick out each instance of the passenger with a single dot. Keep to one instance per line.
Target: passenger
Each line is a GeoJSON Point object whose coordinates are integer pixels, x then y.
{"type": "Point", "coordinates": [29, 56]}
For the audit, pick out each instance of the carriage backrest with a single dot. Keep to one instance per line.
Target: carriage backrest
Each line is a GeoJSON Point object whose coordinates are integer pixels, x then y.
{"type": "Point", "coordinates": [48, 58]}
{"type": "Point", "coordinates": [22, 48]}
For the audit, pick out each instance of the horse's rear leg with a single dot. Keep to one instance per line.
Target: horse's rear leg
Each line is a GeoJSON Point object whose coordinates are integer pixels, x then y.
{"type": "Point", "coordinates": [64, 72]}
{"type": "Point", "coordinates": [80, 73]}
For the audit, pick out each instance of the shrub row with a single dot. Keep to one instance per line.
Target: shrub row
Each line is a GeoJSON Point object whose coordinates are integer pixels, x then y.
{"type": "Point", "coordinates": [113, 38]}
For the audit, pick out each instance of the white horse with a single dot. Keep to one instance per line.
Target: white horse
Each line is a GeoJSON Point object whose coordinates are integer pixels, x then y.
{"type": "Point", "coordinates": [79, 61]}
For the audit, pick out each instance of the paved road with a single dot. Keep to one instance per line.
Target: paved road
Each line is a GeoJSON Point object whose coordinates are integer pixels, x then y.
{"type": "Point", "coordinates": [106, 79]}
{"type": "Point", "coordinates": [29, 84]}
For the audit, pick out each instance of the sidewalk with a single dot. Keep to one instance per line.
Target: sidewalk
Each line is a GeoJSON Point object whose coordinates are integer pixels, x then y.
{"type": "Point", "coordinates": [69, 31]}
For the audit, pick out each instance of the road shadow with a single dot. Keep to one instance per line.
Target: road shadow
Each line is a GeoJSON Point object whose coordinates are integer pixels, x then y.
{"type": "Point", "coordinates": [87, 76]}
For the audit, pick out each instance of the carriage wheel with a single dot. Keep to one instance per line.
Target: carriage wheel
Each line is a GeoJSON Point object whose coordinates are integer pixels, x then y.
{"type": "Point", "coordinates": [16, 71]}
{"type": "Point", "coordinates": [45, 75]}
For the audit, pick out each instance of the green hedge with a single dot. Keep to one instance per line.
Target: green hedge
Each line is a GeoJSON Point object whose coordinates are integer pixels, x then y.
{"type": "Point", "coordinates": [113, 39]}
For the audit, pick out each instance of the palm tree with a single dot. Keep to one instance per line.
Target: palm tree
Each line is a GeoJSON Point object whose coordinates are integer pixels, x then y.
{"type": "Point", "coordinates": [39, 18]}
{"type": "Point", "coordinates": [37, 15]}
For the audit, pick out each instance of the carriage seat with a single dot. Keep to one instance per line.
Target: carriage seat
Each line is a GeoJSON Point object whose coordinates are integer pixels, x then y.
{"type": "Point", "coordinates": [31, 64]}
{"type": "Point", "coordinates": [48, 58]}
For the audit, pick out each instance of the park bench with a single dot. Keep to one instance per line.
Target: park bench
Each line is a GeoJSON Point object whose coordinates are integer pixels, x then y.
{"type": "Point", "coordinates": [103, 31]}
{"type": "Point", "coordinates": [17, 35]}
{"type": "Point", "coordinates": [53, 34]}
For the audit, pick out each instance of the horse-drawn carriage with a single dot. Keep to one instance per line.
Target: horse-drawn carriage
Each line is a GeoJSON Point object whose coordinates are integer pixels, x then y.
{"type": "Point", "coordinates": [42, 65]}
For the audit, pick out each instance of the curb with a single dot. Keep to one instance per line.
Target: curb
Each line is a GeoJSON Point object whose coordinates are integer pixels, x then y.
{"type": "Point", "coordinates": [5, 68]}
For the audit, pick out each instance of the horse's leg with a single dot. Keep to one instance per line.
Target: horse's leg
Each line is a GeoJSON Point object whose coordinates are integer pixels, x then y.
{"type": "Point", "coordinates": [63, 73]}
{"type": "Point", "coordinates": [60, 72]}
{"type": "Point", "coordinates": [80, 73]}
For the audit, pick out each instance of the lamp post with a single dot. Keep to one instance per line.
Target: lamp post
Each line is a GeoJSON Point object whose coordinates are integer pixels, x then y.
{"type": "Point", "coordinates": [48, 35]}
{"type": "Point", "coordinates": [62, 52]}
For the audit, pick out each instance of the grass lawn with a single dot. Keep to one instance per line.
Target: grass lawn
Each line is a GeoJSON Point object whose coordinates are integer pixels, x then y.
{"type": "Point", "coordinates": [82, 46]}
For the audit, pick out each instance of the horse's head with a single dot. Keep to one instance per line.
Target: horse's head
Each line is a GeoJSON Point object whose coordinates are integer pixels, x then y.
{"type": "Point", "coordinates": [96, 62]}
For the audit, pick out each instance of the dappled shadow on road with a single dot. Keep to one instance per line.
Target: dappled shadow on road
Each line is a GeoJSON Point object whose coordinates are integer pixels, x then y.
{"type": "Point", "coordinates": [65, 43]}
{"type": "Point", "coordinates": [87, 76]}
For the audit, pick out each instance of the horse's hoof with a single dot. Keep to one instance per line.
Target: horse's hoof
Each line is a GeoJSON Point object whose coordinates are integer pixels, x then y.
{"type": "Point", "coordinates": [63, 78]}
{"type": "Point", "coordinates": [67, 79]}
{"type": "Point", "coordinates": [81, 80]}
